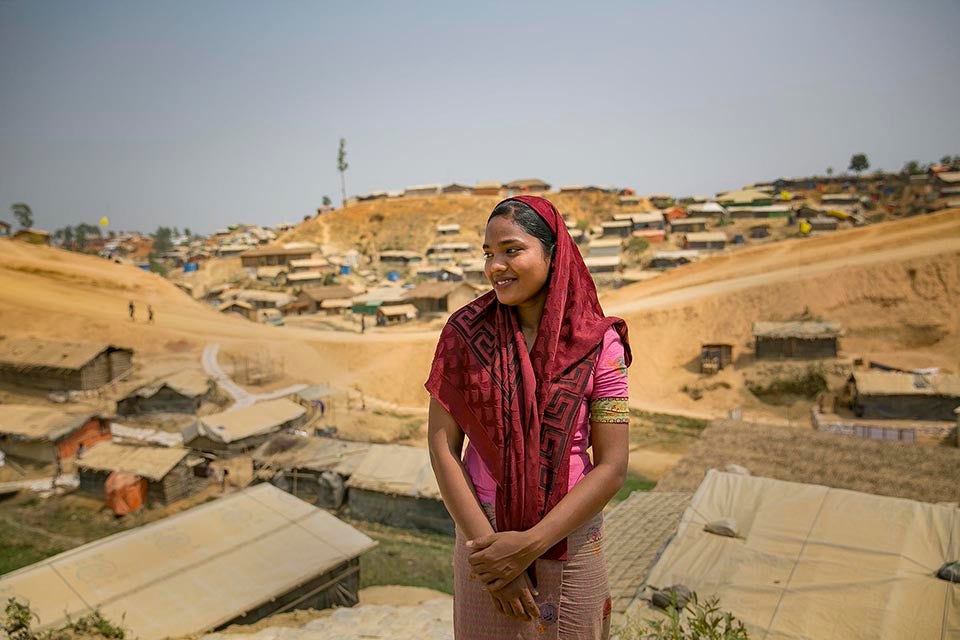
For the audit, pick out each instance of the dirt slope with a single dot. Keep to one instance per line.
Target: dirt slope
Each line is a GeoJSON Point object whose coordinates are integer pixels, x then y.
{"type": "Point", "coordinates": [896, 286]}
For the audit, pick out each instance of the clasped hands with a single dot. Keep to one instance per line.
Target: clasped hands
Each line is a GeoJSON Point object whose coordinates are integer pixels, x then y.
{"type": "Point", "coordinates": [500, 561]}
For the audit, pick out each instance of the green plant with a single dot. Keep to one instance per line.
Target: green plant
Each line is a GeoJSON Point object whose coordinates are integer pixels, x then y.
{"type": "Point", "coordinates": [696, 621]}
{"type": "Point", "coordinates": [95, 623]}
{"type": "Point", "coordinates": [637, 245]}
{"type": "Point", "coordinates": [17, 619]}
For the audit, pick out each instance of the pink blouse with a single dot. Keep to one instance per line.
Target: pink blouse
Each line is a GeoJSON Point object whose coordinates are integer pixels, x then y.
{"type": "Point", "coordinates": [609, 383]}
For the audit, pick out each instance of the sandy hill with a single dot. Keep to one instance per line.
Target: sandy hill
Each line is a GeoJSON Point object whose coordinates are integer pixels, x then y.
{"type": "Point", "coordinates": [410, 223]}
{"type": "Point", "coordinates": [896, 287]}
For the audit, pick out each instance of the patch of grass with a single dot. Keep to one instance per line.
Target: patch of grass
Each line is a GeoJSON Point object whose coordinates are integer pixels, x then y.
{"type": "Point", "coordinates": [407, 558]}
{"type": "Point", "coordinates": [634, 482]}
{"type": "Point", "coordinates": [664, 431]}
{"type": "Point", "coordinates": [19, 549]}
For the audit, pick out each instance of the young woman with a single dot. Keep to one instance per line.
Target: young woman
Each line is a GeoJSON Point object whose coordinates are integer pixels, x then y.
{"type": "Point", "coordinates": [533, 374]}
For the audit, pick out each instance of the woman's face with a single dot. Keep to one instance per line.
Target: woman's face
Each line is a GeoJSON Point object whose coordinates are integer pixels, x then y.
{"type": "Point", "coordinates": [515, 263]}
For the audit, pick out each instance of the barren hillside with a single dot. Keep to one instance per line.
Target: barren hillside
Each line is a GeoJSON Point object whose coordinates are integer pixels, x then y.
{"type": "Point", "coordinates": [896, 286]}
{"type": "Point", "coordinates": [409, 223]}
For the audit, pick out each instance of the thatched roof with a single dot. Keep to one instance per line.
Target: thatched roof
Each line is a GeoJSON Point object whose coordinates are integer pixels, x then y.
{"type": "Point", "coordinates": [808, 330]}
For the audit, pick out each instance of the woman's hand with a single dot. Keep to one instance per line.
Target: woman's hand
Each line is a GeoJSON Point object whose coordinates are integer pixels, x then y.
{"type": "Point", "coordinates": [515, 600]}
{"type": "Point", "coordinates": [499, 558]}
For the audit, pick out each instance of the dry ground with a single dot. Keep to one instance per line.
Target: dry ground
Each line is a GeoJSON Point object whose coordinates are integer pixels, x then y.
{"type": "Point", "coordinates": [928, 474]}
{"type": "Point", "coordinates": [895, 286]}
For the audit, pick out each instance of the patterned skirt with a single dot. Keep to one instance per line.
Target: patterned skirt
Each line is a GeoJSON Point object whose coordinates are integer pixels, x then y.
{"type": "Point", "coordinates": [574, 597]}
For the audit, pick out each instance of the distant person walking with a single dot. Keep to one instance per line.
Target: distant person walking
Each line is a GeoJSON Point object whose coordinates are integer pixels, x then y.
{"type": "Point", "coordinates": [150, 314]}
{"type": "Point", "coordinates": [133, 309]}
{"type": "Point", "coordinates": [363, 324]}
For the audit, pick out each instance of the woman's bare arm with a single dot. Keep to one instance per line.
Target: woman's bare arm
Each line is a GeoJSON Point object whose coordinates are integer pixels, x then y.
{"type": "Point", "coordinates": [445, 440]}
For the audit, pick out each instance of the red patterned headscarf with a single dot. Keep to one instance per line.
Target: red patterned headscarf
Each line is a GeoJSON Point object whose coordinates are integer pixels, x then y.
{"type": "Point", "coordinates": [520, 409]}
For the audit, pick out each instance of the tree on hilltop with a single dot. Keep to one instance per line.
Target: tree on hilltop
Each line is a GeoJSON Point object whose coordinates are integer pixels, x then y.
{"type": "Point", "coordinates": [162, 239]}
{"type": "Point", "coordinates": [21, 211]}
{"type": "Point", "coordinates": [829, 171]}
{"type": "Point", "coordinates": [342, 167]}
{"type": "Point", "coordinates": [327, 201]}
{"type": "Point", "coordinates": [859, 163]}
{"type": "Point", "coordinates": [911, 168]}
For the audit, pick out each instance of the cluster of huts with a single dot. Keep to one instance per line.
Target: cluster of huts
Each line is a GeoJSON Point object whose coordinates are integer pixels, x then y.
{"type": "Point", "coordinates": [253, 553]}
{"type": "Point", "coordinates": [875, 397]}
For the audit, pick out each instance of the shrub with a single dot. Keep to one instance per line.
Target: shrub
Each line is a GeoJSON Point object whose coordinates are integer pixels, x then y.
{"type": "Point", "coordinates": [696, 621]}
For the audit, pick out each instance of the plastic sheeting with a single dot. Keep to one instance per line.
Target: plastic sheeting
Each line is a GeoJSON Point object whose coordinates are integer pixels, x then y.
{"type": "Point", "coordinates": [818, 563]}
{"type": "Point", "coordinates": [192, 571]}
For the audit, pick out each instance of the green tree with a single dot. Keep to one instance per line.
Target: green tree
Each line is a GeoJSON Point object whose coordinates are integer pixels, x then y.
{"type": "Point", "coordinates": [68, 237]}
{"type": "Point", "coordinates": [342, 167]}
{"type": "Point", "coordinates": [162, 239]}
{"type": "Point", "coordinates": [327, 201]}
{"type": "Point", "coordinates": [186, 232]}
{"type": "Point", "coordinates": [859, 162]}
{"type": "Point", "coordinates": [912, 168]}
{"type": "Point", "coordinates": [23, 214]}
{"type": "Point", "coordinates": [829, 171]}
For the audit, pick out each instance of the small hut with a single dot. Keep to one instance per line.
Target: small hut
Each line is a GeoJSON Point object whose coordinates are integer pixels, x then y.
{"type": "Point", "coordinates": [40, 434]}
{"type": "Point", "coordinates": [705, 240]}
{"type": "Point", "coordinates": [182, 392]}
{"type": "Point", "coordinates": [395, 485]}
{"type": "Point", "coordinates": [234, 560]}
{"type": "Point", "coordinates": [170, 473]}
{"type": "Point", "coordinates": [688, 225]}
{"type": "Point", "coordinates": [239, 430]}
{"type": "Point", "coordinates": [440, 297]}
{"type": "Point", "coordinates": [903, 396]}
{"type": "Point", "coordinates": [396, 314]}
{"type": "Point", "coordinates": [313, 469]}
{"type": "Point", "coordinates": [715, 356]}
{"type": "Point", "coordinates": [62, 366]}
{"type": "Point", "coordinates": [777, 340]}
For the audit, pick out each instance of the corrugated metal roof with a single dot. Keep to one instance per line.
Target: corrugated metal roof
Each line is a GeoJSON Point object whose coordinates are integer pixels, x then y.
{"type": "Point", "coordinates": [39, 423]}
{"type": "Point", "coordinates": [258, 419]}
{"type": "Point", "coordinates": [152, 463]}
{"type": "Point", "coordinates": [397, 470]}
{"type": "Point", "coordinates": [893, 383]}
{"type": "Point", "coordinates": [193, 571]}
{"type": "Point", "coordinates": [47, 353]}
{"type": "Point", "coordinates": [797, 329]}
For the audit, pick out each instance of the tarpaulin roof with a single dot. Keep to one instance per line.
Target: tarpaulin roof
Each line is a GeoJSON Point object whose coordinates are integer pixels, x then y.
{"type": "Point", "coordinates": [52, 354]}
{"type": "Point", "coordinates": [193, 571]}
{"type": "Point", "coordinates": [255, 420]}
{"type": "Point", "coordinates": [33, 422]}
{"type": "Point", "coordinates": [814, 562]}
{"type": "Point", "coordinates": [397, 470]}
{"type": "Point", "coordinates": [894, 383]}
{"type": "Point", "coordinates": [189, 383]}
{"type": "Point", "coordinates": [148, 462]}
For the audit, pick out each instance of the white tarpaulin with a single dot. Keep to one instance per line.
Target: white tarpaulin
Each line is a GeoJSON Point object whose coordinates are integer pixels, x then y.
{"type": "Point", "coordinates": [192, 571]}
{"type": "Point", "coordinates": [812, 562]}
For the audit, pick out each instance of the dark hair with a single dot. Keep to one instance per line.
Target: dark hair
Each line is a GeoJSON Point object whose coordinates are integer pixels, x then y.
{"type": "Point", "coordinates": [529, 220]}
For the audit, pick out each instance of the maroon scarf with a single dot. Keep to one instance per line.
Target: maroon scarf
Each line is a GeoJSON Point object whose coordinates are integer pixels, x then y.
{"type": "Point", "coordinates": [520, 409]}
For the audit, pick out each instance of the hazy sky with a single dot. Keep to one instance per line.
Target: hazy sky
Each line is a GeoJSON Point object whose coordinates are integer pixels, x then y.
{"type": "Point", "coordinates": [196, 114]}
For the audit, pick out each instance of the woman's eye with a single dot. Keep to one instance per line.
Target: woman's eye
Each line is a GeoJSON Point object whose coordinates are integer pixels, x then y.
{"type": "Point", "coordinates": [487, 255]}
{"type": "Point", "coordinates": [512, 251]}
